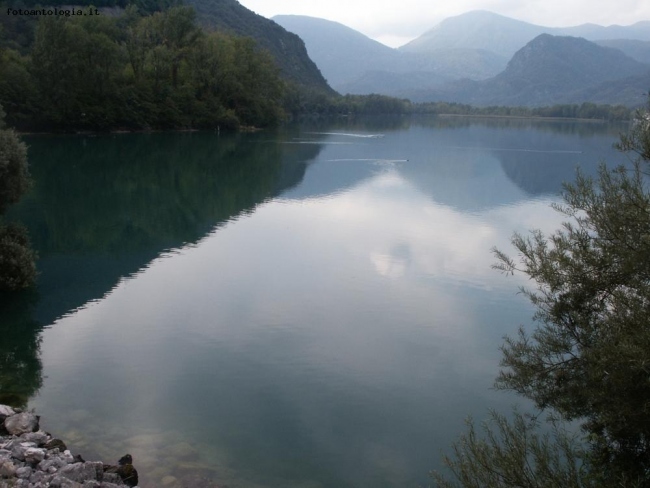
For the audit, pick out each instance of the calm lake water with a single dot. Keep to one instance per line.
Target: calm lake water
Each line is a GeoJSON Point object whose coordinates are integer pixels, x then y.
{"type": "Point", "coordinates": [308, 308]}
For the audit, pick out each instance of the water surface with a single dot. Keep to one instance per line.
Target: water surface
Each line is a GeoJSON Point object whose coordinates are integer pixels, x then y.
{"type": "Point", "coordinates": [308, 308]}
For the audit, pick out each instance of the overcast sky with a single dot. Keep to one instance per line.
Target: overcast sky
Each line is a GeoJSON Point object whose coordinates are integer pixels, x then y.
{"type": "Point", "coordinates": [395, 22]}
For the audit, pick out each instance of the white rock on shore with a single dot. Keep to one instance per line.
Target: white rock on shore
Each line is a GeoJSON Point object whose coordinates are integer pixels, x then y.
{"type": "Point", "coordinates": [31, 458]}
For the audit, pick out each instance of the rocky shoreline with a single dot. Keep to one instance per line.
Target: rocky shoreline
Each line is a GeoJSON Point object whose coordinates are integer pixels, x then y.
{"type": "Point", "coordinates": [31, 458]}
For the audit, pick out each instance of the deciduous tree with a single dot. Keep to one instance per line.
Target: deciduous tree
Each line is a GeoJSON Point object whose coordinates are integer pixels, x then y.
{"type": "Point", "coordinates": [588, 356]}
{"type": "Point", "coordinates": [17, 268]}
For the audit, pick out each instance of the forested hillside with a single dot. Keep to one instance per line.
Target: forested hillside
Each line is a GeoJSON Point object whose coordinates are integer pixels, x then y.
{"type": "Point", "coordinates": [133, 71]}
{"type": "Point", "coordinates": [288, 49]}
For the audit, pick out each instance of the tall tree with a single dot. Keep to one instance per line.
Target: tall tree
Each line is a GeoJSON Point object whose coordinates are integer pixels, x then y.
{"type": "Point", "coordinates": [588, 358]}
{"type": "Point", "coordinates": [17, 268]}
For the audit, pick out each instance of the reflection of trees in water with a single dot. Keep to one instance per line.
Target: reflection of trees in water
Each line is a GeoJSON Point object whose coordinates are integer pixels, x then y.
{"type": "Point", "coordinates": [103, 207]}
{"type": "Point", "coordinates": [20, 365]}
{"type": "Point", "coordinates": [148, 191]}
{"type": "Point", "coordinates": [355, 123]}
{"type": "Point", "coordinates": [566, 127]}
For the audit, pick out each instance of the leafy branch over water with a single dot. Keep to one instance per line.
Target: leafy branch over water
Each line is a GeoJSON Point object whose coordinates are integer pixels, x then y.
{"type": "Point", "coordinates": [587, 359]}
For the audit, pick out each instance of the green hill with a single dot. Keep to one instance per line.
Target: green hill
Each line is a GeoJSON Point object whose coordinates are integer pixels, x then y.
{"type": "Point", "coordinates": [553, 70]}
{"type": "Point", "coordinates": [288, 49]}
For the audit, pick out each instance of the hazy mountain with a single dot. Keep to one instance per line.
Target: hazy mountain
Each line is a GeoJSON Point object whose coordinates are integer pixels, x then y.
{"type": "Point", "coordinates": [476, 29]}
{"type": "Point", "coordinates": [391, 83]}
{"type": "Point", "coordinates": [551, 70]}
{"type": "Point", "coordinates": [639, 50]}
{"type": "Point", "coordinates": [504, 36]}
{"type": "Point", "coordinates": [447, 65]}
{"type": "Point", "coordinates": [287, 48]}
{"type": "Point", "coordinates": [638, 31]}
{"type": "Point", "coordinates": [341, 53]}
{"type": "Point", "coordinates": [354, 63]}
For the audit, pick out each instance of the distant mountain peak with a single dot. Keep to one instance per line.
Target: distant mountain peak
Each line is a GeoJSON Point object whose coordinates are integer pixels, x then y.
{"type": "Point", "coordinates": [310, 28]}
{"type": "Point", "coordinates": [567, 62]}
{"type": "Point", "coordinates": [552, 70]}
{"type": "Point", "coordinates": [354, 63]}
{"type": "Point", "coordinates": [504, 35]}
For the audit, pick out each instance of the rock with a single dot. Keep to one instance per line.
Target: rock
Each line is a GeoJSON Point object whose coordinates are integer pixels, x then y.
{"type": "Point", "coordinates": [18, 449]}
{"type": "Point", "coordinates": [56, 444]}
{"type": "Point", "coordinates": [112, 478]}
{"type": "Point", "coordinates": [24, 472]}
{"type": "Point", "coordinates": [62, 482]}
{"type": "Point", "coordinates": [51, 465]}
{"type": "Point", "coordinates": [8, 443]}
{"type": "Point", "coordinates": [6, 411]}
{"type": "Point", "coordinates": [39, 438]}
{"type": "Point", "coordinates": [37, 477]}
{"type": "Point", "coordinates": [30, 458]}
{"type": "Point", "coordinates": [21, 423]}
{"type": "Point", "coordinates": [124, 460]}
{"type": "Point", "coordinates": [81, 472]}
{"type": "Point", "coordinates": [34, 455]}
{"type": "Point", "coordinates": [67, 457]}
{"type": "Point", "coordinates": [128, 474]}
{"type": "Point", "coordinates": [7, 469]}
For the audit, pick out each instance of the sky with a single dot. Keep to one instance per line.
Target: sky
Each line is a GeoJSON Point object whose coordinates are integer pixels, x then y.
{"type": "Point", "coordinates": [395, 22]}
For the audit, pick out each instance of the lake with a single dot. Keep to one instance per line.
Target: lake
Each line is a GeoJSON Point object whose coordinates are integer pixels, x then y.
{"type": "Point", "coordinates": [310, 307]}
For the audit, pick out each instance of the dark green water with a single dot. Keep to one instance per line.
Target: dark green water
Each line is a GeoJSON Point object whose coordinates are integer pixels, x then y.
{"type": "Point", "coordinates": [308, 308]}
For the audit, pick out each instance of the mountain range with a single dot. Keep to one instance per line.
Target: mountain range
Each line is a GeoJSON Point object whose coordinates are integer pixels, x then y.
{"type": "Point", "coordinates": [553, 70]}
{"type": "Point", "coordinates": [505, 36]}
{"type": "Point", "coordinates": [484, 58]}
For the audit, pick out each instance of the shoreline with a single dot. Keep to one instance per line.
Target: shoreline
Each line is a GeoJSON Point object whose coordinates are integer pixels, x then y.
{"type": "Point", "coordinates": [32, 458]}
{"type": "Point", "coordinates": [242, 129]}
{"type": "Point", "coordinates": [529, 117]}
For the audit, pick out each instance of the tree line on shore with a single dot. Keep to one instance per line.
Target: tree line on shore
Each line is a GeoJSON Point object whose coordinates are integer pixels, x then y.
{"type": "Point", "coordinates": [135, 72]}
{"type": "Point", "coordinates": [585, 110]}
{"type": "Point", "coordinates": [151, 67]}
{"type": "Point", "coordinates": [17, 259]}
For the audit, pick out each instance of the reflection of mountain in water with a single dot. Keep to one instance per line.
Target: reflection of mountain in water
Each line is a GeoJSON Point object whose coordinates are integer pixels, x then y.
{"type": "Point", "coordinates": [468, 164]}
{"type": "Point", "coordinates": [474, 166]}
{"type": "Point", "coordinates": [150, 193]}
{"type": "Point", "coordinates": [102, 208]}
{"type": "Point", "coordinates": [539, 155]}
